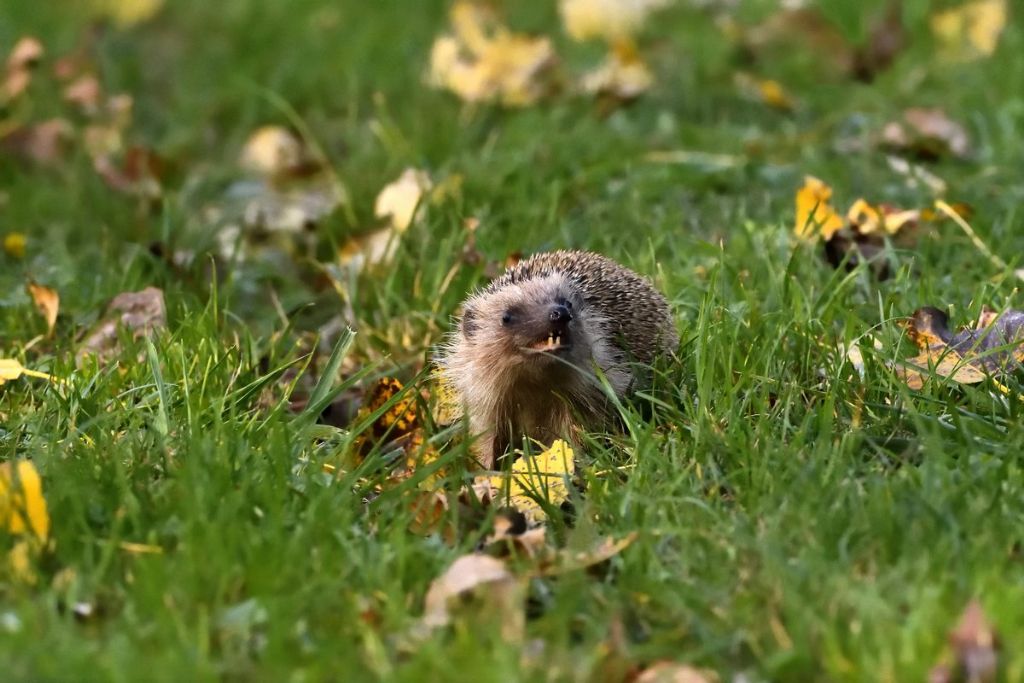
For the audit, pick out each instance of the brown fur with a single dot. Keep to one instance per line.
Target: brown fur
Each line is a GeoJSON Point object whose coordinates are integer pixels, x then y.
{"type": "Point", "coordinates": [619, 323]}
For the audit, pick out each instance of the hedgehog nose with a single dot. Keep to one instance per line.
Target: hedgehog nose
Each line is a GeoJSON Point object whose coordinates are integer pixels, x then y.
{"type": "Point", "coordinates": [559, 314]}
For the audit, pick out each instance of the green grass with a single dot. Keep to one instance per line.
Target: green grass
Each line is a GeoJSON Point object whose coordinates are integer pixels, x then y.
{"type": "Point", "coordinates": [796, 523]}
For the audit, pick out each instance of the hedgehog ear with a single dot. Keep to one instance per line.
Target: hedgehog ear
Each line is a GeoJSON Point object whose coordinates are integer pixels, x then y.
{"type": "Point", "coordinates": [469, 323]}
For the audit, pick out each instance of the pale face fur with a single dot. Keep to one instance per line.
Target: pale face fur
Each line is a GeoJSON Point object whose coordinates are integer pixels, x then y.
{"type": "Point", "coordinates": [513, 380]}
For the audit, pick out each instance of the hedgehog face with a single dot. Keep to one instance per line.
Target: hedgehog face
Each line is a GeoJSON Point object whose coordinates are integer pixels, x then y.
{"type": "Point", "coordinates": [538, 324]}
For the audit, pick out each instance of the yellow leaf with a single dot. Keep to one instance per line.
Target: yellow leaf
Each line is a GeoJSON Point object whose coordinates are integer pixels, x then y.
{"type": "Point", "coordinates": [971, 30]}
{"type": "Point", "coordinates": [540, 477]}
{"type": "Point", "coordinates": [611, 20]}
{"type": "Point", "coordinates": [399, 199]}
{"type": "Point", "coordinates": [814, 215]}
{"type": "Point", "coordinates": [271, 151]}
{"type": "Point", "coordinates": [127, 13]}
{"type": "Point", "coordinates": [11, 369]}
{"type": "Point", "coordinates": [485, 62]}
{"type": "Point", "coordinates": [623, 75]}
{"type": "Point", "coordinates": [447, 405]}
{"type": "Point", "coordinates": [20, 561]}
{"type": "Point", "coordinates": [22, 506]}
{"type": "Point", "coordinates": [768, 91]}
{"type": "Point", "coordinates": [47, 301]}
{"type": "Point", "coordinates": [14, 244]}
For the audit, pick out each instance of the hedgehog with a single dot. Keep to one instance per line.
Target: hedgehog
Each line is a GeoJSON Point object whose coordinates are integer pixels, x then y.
{"type": "Point", "coordinates": [532, 352]}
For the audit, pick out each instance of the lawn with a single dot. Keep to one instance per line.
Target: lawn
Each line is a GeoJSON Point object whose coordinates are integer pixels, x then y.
{"type": "Point", "coordinates": [797, 518]}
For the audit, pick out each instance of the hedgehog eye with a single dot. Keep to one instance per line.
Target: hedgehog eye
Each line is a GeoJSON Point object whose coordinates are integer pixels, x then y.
{"type": "Point", "coordinates": [506, 318]}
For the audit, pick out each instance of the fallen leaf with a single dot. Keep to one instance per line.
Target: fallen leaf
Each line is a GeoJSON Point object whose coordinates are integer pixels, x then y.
{"type": "Point", "coordinates": [674, 672]}
{"type": "Point", "coordinates": [11, 369]}
{"type": "Point", "coordinates": [814, 215]}
{"type": "Point", "coordinates": [971, 30]}
{"type": "Point", "coordinates": [802, 26]}
{"type": "Point", "coordinates": [485, 62]}
{"type": "Point", "coordinates": [142, 313]}
{"type": "Point", "coordinates": [768, 91]}
{"type": "Point", "coordinates": [138, 174]}
{"type": "Point", "coordinates": [14, 244]}
{"type": "Point", "coordinates": [611, 20]}
{"type": "Point", "coordinates": [22, 506]}
{"type": "Point", "coordinates": [446, 407]}
{"type": "Point", "coordinates": [887, 38]}
{"type": "Point", "coordinates": [967, 357]}
{"type": "Point", "coordinates": [85, 92]}
{"type": "Point", "coordinates": [43, 143]}
{"type": "Point", "coordinates": [623, 75]}
{"type": "Point", "coordinates": [928, 133]}
{"type": "Point", "coordinates": [486, 583]}
{"type": "Point", "coordinates": [127, 13]}
{"type": "Point", "coordinates": [543, 477]}
{"type": "Point", "coordinates": [974, 647]}
{"type": "Point", "coordinates": [368, 249]}
{"type": "Point", "coordinates": [400, 199]}
{"type": "Point", "coordinates": [26, 53]}
{"type": "Point", "coordinates": [23, 57]}
{"type": "Point", "coordinates": [47, 302]}
{"type": "Point", "coordinates": [272, 151]}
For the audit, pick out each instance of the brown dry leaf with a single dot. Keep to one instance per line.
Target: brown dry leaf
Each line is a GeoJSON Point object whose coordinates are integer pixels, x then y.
{"type": "Point", "coordinates": [674, 672]}
{"type": "Point", "coordinates": [43, 143]}
{"type": "Point", "coordinates": [814, 215]}
{"type": "Point", "coordinates": [971, 30]}
{"type": "Point", "coordinates": [138, 174]}
{"type": "Point", "coordinates": [485, 62]}
{"type": "Point", "coordinates": [142, 313]}
{"type": "Point", "coordinates": [10, 370]}
{"type": "Point", "coordinates": [14, 244]}
{"type": "Point", "coordinates": [802, 26]}
{"type": "Point", "coordinates": [497, 596]}
{"type": "Point", "coordinates": [85, 92]}
{"type": "Point", "coordinates": [623, 75]}
{"type": "Point", "coordinates": [47, 302]}
{"type": "Point", "coordinates": [606, 548]}
{"type": "Point", "coordinates": [975, 646]}
{"type": "Point", "coordinates": [399, 200]}
{"type": "Point", "coordinates": [968, 357]}
{"type": "Point", "coordinates": [429, 509]}
{"type": "Point", "coordinates": [611, 20]}
{"type": "Point", "coordinates": [543, 477]}
{"type": "Point", "coordinates": [887, 38]}
{"type": "Point", "coordinates": [928, 133]}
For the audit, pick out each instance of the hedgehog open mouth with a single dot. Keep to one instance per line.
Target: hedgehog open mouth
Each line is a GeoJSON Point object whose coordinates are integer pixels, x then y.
{"type": "Point", "coordinates": [554, 342]}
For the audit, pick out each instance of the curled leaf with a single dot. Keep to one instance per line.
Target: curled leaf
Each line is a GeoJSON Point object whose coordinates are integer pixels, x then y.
{"type": "Point", "coordinates": [400, 199]}
{"type": "Point", "coordinates": [814, 214]}
{"type": "Point", "coordinates": [484, 580]}
{"type": "Point", "coordinates": [47, 302]}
